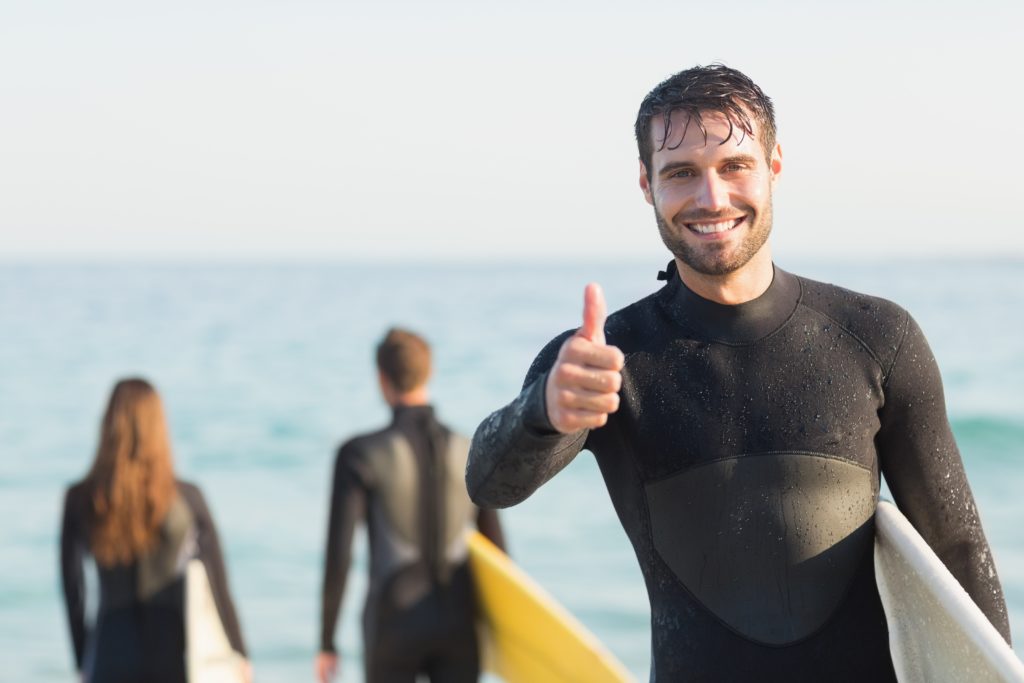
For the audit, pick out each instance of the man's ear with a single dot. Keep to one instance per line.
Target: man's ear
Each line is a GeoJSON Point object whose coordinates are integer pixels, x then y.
{"type": "Point", "coordinates": [645, 183]}
{"type": "Point", "coordinates": [387, 390]}
{"type": "Point", "coordinates": [775, 164]}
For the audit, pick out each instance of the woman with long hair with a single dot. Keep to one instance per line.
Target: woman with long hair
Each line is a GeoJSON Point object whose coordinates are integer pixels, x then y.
{"type": "Point", "coordinates": [142, 527]}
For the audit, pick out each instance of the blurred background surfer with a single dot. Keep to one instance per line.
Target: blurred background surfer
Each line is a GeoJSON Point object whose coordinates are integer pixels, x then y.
{"type": "Point", "coordinates": [142, 527]}
{"type": "Point", "coordinates": [406, 482]}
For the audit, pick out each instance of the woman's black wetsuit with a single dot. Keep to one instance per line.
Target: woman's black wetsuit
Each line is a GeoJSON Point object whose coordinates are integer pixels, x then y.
{"type": "Point", "coordinates": [744, 466]}
{"type": "Point", "coordinates": [139, 635]}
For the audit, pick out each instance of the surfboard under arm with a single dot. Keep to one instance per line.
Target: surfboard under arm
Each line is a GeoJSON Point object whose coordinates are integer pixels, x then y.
{"type": "Point", "coordinates": [936, 632]}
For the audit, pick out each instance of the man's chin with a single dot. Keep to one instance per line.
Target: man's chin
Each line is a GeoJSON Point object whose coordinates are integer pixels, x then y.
{"type": "Point", "coordinates": [716, 269]}
{"type": "Point", "coordinates": [718, 262]}
{"type": "Point", "coordinates": [714, 257]}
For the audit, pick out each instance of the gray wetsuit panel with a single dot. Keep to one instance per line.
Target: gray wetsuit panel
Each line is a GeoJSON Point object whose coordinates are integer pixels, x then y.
{"type": "Point", "coordinates": [768, 543]}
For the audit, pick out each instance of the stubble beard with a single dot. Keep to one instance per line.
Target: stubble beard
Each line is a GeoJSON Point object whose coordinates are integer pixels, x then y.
{"type": "Point", "coordinates": [715, 258]}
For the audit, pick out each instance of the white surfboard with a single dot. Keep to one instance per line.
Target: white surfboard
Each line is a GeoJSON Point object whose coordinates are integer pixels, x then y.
{"type": "Point", "coordinates": [936, 632]}
{"type": "Point", "coordinates": [208, 654]}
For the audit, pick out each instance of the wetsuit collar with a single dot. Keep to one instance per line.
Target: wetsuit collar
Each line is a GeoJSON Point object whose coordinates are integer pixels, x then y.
{"type": "Point", "coordinates": [402, 414]}
{"type": "Point", "coordinates": [739, 324]}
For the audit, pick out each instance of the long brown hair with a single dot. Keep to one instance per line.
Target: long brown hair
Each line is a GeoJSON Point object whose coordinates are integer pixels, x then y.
{"type": "Point", "coordinates": [132, 478]}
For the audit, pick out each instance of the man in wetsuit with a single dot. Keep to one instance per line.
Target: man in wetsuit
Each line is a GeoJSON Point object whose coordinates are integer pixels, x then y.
{"type": "Point", "coordinates": [741, 417]}
{"type": "Point", "coordinates": [406, 481]}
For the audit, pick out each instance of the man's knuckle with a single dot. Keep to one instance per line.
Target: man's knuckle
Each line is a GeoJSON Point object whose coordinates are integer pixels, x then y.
{"type": "Point", "coordinates": [563, 371]}
{"type": "Point", "coordinates": [616, 381]}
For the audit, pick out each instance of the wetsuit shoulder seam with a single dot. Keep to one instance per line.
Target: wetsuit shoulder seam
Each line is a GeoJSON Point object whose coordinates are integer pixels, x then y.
{"type": "Point", "coordinates": [899, 350]}
{"type": "Point", "coordinates": [354, 454]}
{"type": "Point", "coordinates": [358, 444]}
{"type": "Point", "coordinates": [853, 335]}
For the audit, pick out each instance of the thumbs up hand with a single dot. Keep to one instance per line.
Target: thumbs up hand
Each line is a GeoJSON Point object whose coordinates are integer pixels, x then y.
{"type": "Point", "coordinates": [583, 385]}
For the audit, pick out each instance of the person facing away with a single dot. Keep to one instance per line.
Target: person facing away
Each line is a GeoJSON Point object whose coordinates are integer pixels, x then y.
{"type": "Point", "coordinates": [141, 525]}
{"type": "Point", "coordinates": [406, 482]}
{"type": "Point", "coordinates": [741, 417]}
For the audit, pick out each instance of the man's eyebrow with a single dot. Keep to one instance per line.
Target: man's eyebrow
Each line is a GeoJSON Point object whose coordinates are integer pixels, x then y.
{"type": "Point", "coordinates": [673, 166]}
{"type": "Point", "coordinates": [740, 159]}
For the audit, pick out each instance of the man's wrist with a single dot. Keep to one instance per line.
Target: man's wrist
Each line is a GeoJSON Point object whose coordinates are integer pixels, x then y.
{"type": "Point", "coordinates": [535, 410]}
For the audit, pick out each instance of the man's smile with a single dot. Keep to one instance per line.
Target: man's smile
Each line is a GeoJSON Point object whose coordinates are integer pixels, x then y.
{"type": "Point", "coordinates": [705, 228]}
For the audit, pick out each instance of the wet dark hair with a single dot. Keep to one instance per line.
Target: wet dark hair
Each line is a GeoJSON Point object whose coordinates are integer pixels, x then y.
{"type": "Point", "coordinates": [712, 88]}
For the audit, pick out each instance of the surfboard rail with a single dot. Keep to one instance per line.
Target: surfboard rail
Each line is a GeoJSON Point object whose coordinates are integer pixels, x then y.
{"type": "Point", "coordinates": [530, 637]}
{"type": "Point", "coordinates": [936, 632]}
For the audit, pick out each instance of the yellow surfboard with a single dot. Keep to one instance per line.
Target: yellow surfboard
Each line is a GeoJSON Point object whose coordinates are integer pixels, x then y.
{"type": "Point", "coordinates": [528, 636]}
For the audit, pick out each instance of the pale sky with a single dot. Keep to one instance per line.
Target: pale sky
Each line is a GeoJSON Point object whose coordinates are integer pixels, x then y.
{"type": "Point", "coordinates": [472, 130]}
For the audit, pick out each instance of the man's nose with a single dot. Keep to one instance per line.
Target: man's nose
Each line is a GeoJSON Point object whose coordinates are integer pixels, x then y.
{"type": "Point", "coordinates": [712, 193]}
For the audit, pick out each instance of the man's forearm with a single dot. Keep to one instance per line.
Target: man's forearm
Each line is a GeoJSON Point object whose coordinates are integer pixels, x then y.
{"type": "Point", "coordinates": [925, 473]}
{"type": "Point", "coordinates": [515, 450]}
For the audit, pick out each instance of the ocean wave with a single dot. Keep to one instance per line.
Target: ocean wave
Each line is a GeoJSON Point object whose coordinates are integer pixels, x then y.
{"type": "Point", "coordinates": [993, 436]}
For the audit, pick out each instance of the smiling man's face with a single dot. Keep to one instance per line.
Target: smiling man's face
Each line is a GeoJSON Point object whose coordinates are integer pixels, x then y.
{"type": "Point", "coordinates": [712, 198]}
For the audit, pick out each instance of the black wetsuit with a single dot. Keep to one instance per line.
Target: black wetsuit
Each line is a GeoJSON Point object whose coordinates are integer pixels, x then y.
{"type": "Point", "coordinates": [744, 466]}
{"type": "Point", "coordinates": [139, 635]}
{"type": "Point", "coordinates": [407, 482]}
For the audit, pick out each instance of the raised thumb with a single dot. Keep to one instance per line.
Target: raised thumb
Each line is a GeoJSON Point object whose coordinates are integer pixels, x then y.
{"type": "Point", "coordinates": [595, 311]}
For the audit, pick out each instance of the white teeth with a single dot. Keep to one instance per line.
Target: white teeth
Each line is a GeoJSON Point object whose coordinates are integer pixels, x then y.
{"type": "Point", "coordinates": [708, 228]}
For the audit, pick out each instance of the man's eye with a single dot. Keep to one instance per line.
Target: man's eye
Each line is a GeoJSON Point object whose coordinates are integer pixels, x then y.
{"type": "Point", "coordinates": [683, 173]}
{"type": "Point", "coordinates": [734, 168]}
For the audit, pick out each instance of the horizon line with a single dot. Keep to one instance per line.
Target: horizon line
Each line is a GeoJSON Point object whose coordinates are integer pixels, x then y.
{"type": "Point", "coordinates": [151, 260]}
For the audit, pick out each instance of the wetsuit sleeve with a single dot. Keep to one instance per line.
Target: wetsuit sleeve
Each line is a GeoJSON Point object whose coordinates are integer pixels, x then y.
{"type": "Point", "coordinates": [490, 526]}
{"type": "Point", "coordinates": [925, 473]}
{"type": "Point", "coordinates": [348, 508]}
{"type": "Point", "coordinates": [516, 450]}
{"type": "Point", "coordinates": [213, 561]}
{"type": "Point", "coordinates": [72, 558]}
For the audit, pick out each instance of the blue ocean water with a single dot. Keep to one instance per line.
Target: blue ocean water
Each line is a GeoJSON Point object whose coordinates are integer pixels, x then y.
{"type": "Point", "coordinates": [264, 369]}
